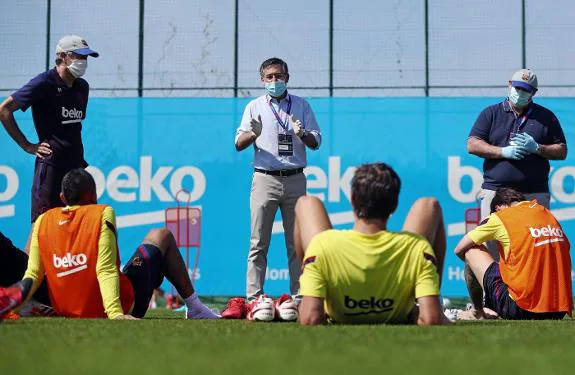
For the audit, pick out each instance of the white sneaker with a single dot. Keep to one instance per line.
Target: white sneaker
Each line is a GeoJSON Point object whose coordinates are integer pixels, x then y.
{"type": "Point", "coordinates": [261, 309]}
{"type": "Point", "coordinates": [287, 308]}
{"type": "Point", "coordinates": [452, 314]}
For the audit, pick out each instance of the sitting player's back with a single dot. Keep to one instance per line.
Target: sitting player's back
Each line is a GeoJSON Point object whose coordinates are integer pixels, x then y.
{"type": "Point", "coordinates": [369, 278]}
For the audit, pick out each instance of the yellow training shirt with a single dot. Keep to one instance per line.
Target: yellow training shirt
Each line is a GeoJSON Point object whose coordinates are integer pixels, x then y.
{"type": "Point", "coordinates": [493, 229]}
{"type": "Point", "coordinates": [369, 278]}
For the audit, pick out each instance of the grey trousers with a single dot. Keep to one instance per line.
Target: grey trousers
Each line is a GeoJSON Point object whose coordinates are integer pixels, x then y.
{"type": "Point", "coordinates": [486, 196]}
{"type": "Point", "coordinates": [267, 194]}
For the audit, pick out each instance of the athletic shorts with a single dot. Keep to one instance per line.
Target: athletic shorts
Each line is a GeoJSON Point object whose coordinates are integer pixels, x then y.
{"type": "Point", "coordinates": [13, 264]}
{"type": "Point", "coordinates": [46, 187]}
{"type": "Point", "coordinates": [497, 298]}
{"type": "Point", "coordinates": [145, 271]}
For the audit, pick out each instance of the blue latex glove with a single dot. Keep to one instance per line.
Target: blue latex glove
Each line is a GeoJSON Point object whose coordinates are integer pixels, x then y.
{"type": "Point", "coordinates": [527, 141]}
{"type": "Point", "coordinates": [514, 152]}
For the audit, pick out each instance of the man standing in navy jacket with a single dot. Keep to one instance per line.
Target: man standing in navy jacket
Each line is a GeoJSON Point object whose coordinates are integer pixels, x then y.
{"type": "Point", "coordinates": [58, 98]}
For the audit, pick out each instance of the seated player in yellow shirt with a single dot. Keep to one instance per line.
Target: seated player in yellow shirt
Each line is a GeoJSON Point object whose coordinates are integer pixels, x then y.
{"type": "Point", "coordinates": [369, 274]}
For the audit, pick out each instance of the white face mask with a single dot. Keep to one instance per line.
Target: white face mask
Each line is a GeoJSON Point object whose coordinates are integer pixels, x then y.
{"type": "Point", "coordinates": [78, 68]}
{"type": "Point", "coordinates": [519, 98]}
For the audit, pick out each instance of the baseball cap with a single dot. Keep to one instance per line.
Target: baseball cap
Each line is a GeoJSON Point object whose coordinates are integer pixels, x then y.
{"type": "Point", "coordinates": [524, 78]}
{"type": "Point", "coordinates": [76, 44]}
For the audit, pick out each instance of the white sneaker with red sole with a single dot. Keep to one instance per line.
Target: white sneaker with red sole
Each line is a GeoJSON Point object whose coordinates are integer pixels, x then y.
{"type": "Point", "coordinates": [261, 309]}
{"type": "Point", "coordinates": [287, 308]}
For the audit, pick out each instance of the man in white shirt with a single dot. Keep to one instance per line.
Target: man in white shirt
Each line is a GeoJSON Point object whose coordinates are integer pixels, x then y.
{"type": "Point", "coordinates": [280, 126]}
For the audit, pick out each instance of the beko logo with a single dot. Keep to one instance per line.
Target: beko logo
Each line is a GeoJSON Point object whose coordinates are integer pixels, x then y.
{"type": "Point", "coordinates": [72, 113]}
{"type": "Point", "coordinates": [550, 234]}
{"type": "Point", "coordinates": [78, 261]}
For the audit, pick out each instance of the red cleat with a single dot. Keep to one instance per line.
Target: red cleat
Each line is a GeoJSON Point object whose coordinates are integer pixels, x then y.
{"type": "Point", "coordinates": [9, 298]}
{"type": "Point", "coordinates": [10, 315]}
{"type": "Point", "coordinates": [35, 308]}
{"type": "Point", "coordinates": [236, 309]}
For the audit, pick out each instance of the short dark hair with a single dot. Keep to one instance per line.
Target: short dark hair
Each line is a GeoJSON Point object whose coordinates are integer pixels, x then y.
{"type": "Point", "coordinates": [505, 197]}
{"type": "Point", "coordinates": [273, 61]}
{"type": "Point", "coordinates": [76, 184]}
{"type": "Point", "coordinates": [375, 191]}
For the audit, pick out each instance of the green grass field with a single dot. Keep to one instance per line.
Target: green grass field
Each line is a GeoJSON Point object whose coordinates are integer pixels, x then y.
{"type": "Point", "coordinates": [164, 343]}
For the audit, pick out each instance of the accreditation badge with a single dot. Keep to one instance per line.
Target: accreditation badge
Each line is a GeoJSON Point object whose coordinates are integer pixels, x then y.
{"type": "Point", "coordinates": [285, 145]}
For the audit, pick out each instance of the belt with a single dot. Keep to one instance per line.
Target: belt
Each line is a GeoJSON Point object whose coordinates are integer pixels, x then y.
{"type": "Point", "coordinates": [281, 172]}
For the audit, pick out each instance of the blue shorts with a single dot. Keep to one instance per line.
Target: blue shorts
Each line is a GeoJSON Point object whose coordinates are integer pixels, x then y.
{"type": "Point", "coordinates": [497, 298]}
{"type": "Point", "coordinates": [145, 270]}
{"type": "Point", "coordinates": [46, 187]}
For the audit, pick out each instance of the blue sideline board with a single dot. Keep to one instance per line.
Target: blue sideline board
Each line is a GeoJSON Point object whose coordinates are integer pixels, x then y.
{"type": "Point", "coordinates": [144, 150]}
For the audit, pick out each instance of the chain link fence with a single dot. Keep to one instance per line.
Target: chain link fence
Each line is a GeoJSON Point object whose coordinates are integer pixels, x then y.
{"type": "Point", "coordinates": [213, 48]}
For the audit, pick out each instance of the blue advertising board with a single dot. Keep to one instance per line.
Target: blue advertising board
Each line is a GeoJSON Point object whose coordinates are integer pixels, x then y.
{"type": "Point", "coordinates": [143, 151]}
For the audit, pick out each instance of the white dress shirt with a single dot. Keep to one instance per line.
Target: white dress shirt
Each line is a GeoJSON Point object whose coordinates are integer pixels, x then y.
{"type": "Point", "coordinates": [266, 145]}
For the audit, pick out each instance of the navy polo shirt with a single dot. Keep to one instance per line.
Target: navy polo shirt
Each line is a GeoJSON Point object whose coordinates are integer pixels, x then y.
{"type": "Point", "coordinates": [57, 112]}
{"type": "Point", "coordinates": [495, 125]}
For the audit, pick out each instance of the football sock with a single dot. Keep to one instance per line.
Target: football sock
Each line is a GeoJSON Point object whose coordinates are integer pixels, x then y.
{"type": "Point", "coordinates": [195, 309]}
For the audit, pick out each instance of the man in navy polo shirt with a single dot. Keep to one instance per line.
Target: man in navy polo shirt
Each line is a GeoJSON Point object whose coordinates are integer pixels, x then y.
{"type": "Point", "coordinates": [58, 99]}
{"type": "Point", "coordinates": [516, 138]}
